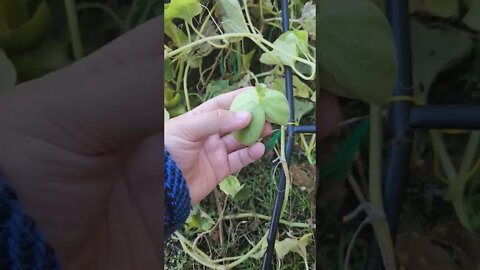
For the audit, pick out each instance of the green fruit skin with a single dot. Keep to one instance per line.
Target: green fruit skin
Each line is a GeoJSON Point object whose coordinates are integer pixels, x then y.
{"type": "Point", "coordinates": [276, 108]}
{"type": "Point", "coordinates": [29, 33]}
{"type": "Point", "coordinates": [249, 135]}
{"type": "Point", "coordinates": [248, 101]}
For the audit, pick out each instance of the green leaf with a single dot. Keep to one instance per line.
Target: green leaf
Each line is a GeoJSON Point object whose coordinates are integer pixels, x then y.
{"type": "Point", "coordinates": [300, 89]}
{"type": "Point", "coordinates": [302, 108]}
{"type": "Point", "coordinates": [273, 140]}
{"type": "Point", "coordinates": [18, 35]}
{"type": "Point", "coordinates": [169, 73]}
{"type": "Point", "coordinates": [50, 55]}
{"type": "Point", "coordinates": [263, 248]}
{"type": "Point", "coordinates": [438, 8]}
{"type": "Point", "coordinates": [177, 111]}
{"type": "Point", "coordinates": [308, 19]}
{"type": "Point", "coordinates": [303, 243]}
{"type": "Point", "coordinates": [167, 115]}
{"type": "Point", "coordinates": [304, 104]}
{"type": "Point", "coordinates": [215, 88]}
{"type": "Point", "coordinates": [171, 98]}
{"type": "Point", "coordinates": [232, 17]}
{"type": "Point", "coordinates": [247, 60]}
{"type": "Point", "coordinates": [339, 168]}
{"type": "Point", "coordinates": [194, 61]}
{"type": "Point", "coordinates": [175, 33]}
{"type": "Point", "coordinates": [243, 194]}
{"type": "Point", "coordinates": [268, 59]}
{"type": "Point", "coordinates": [356, 49]}
{"type": "Point", "coordinates": [467, 3]}
{"type": "Point", "coordinates": [230, 186]}
{"type": "Point", "coordinates": [472, 19]}
{"type": "Point", "coordinates": [294, 42]}
{"type": "Point", "coordinates": [13, 13]}
{"type": "Point", "coordinates": [183, 9]}
{"type": "Point", "coordinates": [287, 245]}
{"type": "Point", "coordinates": [267, 5]}
{"type": "Point", "coordinates": [434, 51]}
{"type": "Point", "coordinates": [284, 247]}
{"type": "Point", "coordinates": [8, 74]}
{"type": "Point", "coordinates": [199, 220]}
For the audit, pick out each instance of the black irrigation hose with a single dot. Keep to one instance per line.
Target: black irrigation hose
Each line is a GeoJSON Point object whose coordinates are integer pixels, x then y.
{"type": "Point", "coordinates": [445, 117]}
{"type": "Point", "coordinates": [305, 129]}
{"type": "Point", "coordinates": [400, 143]}
{"type": "Point", "coordinates": [272, 232]}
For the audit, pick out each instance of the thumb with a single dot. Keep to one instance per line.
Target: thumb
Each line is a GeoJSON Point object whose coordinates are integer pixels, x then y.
{"type": "Point", "coordinates": [201, 126]}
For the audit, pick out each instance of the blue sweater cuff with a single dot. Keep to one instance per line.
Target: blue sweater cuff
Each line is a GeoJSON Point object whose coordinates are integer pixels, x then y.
{"type": "Point", "coordinates": [21, 244]}
{"type": "Point", "coordinates": [177, 197]}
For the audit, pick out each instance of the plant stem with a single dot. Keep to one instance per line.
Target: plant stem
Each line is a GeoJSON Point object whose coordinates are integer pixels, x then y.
{"type": "Point", "coordinates": [238, 50]}
{"type": "Point", "coordinates": [440, 148]}
{"type": "Point", "coordinates": [181, 69]}
{"type": "Point", "coordinates": [196, 257]}
{"type": "Point", "coordinates": [375, 158]}
{"type": "Point", "coordinates": [248, 254]}
{"type": "Point", "coordinates": [350, 245]}
{"type": "Point", "coordinates": [201, 36]}
{"type": "Point", "coordinates": [249, 20]}
{"type": "Point", "coordinates": [144, 15]}
{"type": "Point", "coordinates": [262, 18]}
{"type": "Point", "coordinates": [185, 87]}
{"type": "Point", "coordinates": [131, 13]}
{"type": "Point", "coordinates": [285, 171]}
{"type": "Point", "coordinates": [74, 29]}
{"type": "Point", "coordinates": [105, 9]}
{"type": "Point", "coordinates": [207, 261]}
{"type": "Point", "coordinates": [457, 187]}
{"type": "Point", "coordinates": [264, 217]}
{"type": "Point", "coordinates": [379, 224]}
{"type": "Point", "coordinates": [256, 38]}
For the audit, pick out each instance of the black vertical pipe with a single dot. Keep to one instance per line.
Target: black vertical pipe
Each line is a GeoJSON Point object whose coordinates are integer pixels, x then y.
{"type": "Point", "coordinates": [400, 143]}
{"type": "Point", "coordinates": [279, 197]}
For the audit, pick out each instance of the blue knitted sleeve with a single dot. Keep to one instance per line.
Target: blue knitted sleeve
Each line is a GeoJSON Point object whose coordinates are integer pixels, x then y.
{"type": "Point", "coordinates": [21, 244]}
{"type": "Point", "coordinates": [177, 197]}
{"type": "Point", "coordinates": [23, 247]}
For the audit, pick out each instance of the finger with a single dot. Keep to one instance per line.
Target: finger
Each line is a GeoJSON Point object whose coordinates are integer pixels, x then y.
{"type": "Point", "coordinates": [328, 114]}
{"type": "Point", "coordinates": [233, 145]}
{"type": "Point", "coordinates": [201, 126]}
{"type": "Point", "coordinates": [241, 158]}
{"type": "Point", "coordinates": [143, 42]}
{"type": "Point", "coordinates": [90, 114]}
{"type": "Point", "coordinates": [220, 102]}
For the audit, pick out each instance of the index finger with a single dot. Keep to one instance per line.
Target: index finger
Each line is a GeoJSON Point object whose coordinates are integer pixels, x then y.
{"type": "Point", "coordinates": [222, 102]}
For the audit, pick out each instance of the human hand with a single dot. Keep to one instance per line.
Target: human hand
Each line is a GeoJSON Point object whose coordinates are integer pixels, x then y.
{"type": "Point", "coordinates": [82, 146]}
{"type": "Point", "coordinates": [203, 147]}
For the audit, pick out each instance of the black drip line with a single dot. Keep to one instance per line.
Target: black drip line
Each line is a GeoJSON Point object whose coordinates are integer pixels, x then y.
{"type": "Point", "coordinates": [291, 131]}
{"type": "Point", "coordinates": [404, 118]}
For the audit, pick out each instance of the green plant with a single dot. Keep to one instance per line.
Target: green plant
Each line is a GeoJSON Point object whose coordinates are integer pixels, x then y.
{"type": "Point", "coordinates": [213, 47]}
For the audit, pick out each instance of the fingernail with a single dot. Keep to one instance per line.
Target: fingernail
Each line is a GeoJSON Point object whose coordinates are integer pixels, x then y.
{"type": "Point", "coordinates": [242, 115]}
